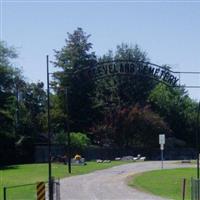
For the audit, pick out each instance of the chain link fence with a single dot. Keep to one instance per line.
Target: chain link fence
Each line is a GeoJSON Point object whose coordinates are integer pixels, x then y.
{"type": "Point", "coordinates": [20, 192]}
{"type": "Point", "coordinates": [195, 189]}
{"type": "Point", "coordinates": [29, 191]}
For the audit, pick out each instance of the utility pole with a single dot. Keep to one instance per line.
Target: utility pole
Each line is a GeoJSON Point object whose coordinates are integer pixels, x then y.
{"type": "Point", "coordinates": [49, 134]}
{"type": "Point", "coordinates": [197, 141]}
{"type": "Point", "coordinates": [68, 130]}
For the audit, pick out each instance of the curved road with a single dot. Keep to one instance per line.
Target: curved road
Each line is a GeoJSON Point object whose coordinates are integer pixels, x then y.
{"type": "Point", "coordinates": [110, 184]}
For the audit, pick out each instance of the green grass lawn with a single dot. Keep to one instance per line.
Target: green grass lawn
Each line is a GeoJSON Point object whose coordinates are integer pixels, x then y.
{"type": "Point", "coordinates": [32, 173]}
{"type": "Point", "coordinates": [166, 183]}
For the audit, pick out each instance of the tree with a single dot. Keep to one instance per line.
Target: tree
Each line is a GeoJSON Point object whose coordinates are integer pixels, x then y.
{"type": "Point", "coordinates": [113, 94]}
{"type": "Point", "coordinates": [30, 118]}
{"type": "Point", "coordinates": [33, 109]}
{"type": "Point", "coordinates": [124, 90]}
{"type": "Point", "coordinates": [7, 54]}
{"type": "Point", "coordinates": [177, 109]}
{"type": "Point", "coordinates": [130, 127]}
{"type": "Point", "coordinates": [79, 141]}
{"type": "Point", "coordinates": [6, 89]}
{"type": "Point", "coordinates": [22, 109]}
{"type": "Point", "coordinates": [7, 99]}
{"type": "Point", "coordinates": [76, 90]}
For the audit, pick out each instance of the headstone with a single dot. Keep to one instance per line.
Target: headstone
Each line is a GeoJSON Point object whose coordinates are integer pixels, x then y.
{"type": "Point", "coordinates": [99, 161]}
{"type": "Point", "coordinates": [127, 158]}
{"type": "Point", "coordinates": [78, 162]}
{"type": "Point", "coordinates": [142, 158]}
{"type": "Point", "coordinates": [106, 161]}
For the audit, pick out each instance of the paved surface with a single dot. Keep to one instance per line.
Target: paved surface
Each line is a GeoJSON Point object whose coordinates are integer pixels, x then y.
{"type": "Point", "coordinates": [110, 184]}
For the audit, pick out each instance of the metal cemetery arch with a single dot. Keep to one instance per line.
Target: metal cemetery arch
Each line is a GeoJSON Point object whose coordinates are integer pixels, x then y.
{"type": "Point", "coordinates": [131, 68]}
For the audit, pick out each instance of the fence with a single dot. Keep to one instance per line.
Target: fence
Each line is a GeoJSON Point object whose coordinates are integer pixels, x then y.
{"type": "Point", "coordinates": [92, 153]}
{"type": "Point", "coordinates": [29, 191]}
{"type": "Point", "coordinates": [20, 192]}
{"type": "Point", "coordinates": [56, 190]}
{"type": "Point", "coordinates": [195, 189]}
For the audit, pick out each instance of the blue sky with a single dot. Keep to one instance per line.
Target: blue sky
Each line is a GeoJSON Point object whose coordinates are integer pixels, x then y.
{"type": "Point", "coordinates": [169, 31]}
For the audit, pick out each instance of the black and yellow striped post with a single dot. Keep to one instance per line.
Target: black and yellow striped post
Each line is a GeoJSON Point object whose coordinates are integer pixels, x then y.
{"type": "Point", "coordinates": [41, 191]}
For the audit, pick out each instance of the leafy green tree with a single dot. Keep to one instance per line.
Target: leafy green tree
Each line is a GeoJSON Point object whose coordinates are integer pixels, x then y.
{"type": "Point", "coordinates": [6, 89]}
{"type": "Point", "coordinates": [31, 119]}
{"type": "Point", "coordinates": [22, 107]}
{"type": "Point", "coordinates": [32, 110]}
{"type": "Point", "coordinates": [58, 116]}
{"type": "Point", "coordinates": [124, 90]}
{"type": "Point", "coordinates": [7, 54]}
{"type": "Point", "coordinates": [7, 101]}
{"type": "Point", "coordinates": [177, 109]}
{"type": "Point", "coordinates": [133, 89]}
{"type": "Point", "coordinates": [113, 94]}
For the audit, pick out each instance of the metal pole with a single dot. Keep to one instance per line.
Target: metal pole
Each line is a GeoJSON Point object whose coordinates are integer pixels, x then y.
{"type": "Point", "coordinates": [17, 105]}
{"type": "Point", "coordinates": [192, 188]}
{"type": "Point", "coordinates": [197, 141]}
{"type": "Point", "coordinates": [183, 188]}
{"type": "Point", "coordinates": [197, 149]}
{"type": "Point", "coordinates": [4, 193]}
{"type": "Point", "coordinates": [68, 132]}
{"type": "Point", "coordinates": [49, 133]}
{"type": "Point", "coordinates": [162, 158]}
{"type": "Point", "coordinates": [17, 109]}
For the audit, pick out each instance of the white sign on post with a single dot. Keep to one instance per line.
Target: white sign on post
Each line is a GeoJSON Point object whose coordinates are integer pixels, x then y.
{"type": "Point", "coordinates": [162, 142]}
{"type": "Point", "coordinates": [161, 139]}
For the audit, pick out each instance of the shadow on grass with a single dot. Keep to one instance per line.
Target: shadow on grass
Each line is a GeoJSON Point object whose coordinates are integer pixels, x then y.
{"type": "Point", "coordinates": [9, 167]}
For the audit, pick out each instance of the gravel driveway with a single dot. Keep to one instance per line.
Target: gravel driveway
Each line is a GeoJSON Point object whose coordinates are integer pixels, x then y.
{"type": "Point", "coordinates": [110, 184]}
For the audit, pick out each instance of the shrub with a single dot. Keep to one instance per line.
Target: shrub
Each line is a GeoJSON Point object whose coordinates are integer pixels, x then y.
{"type": "Point", "coordinates": [78, 140]}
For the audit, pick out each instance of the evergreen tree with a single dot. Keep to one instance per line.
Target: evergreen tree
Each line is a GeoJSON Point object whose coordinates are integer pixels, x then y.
{"type": "Point", "coordinates": [75, 90]}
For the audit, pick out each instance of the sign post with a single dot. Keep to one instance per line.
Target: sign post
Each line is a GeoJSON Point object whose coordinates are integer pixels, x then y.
{"type": "Point", "coordinates": [162, 142]}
